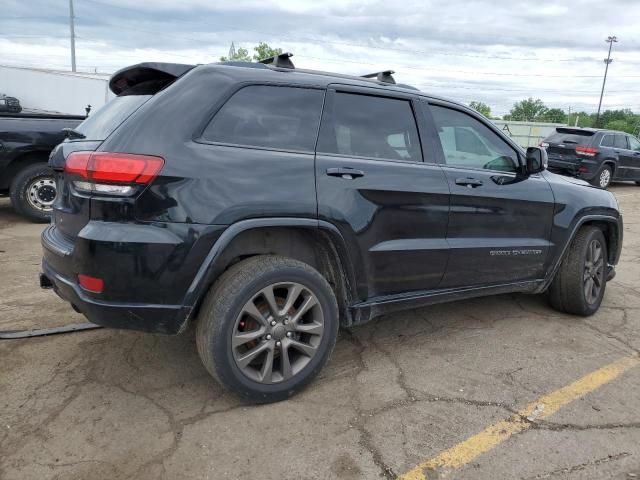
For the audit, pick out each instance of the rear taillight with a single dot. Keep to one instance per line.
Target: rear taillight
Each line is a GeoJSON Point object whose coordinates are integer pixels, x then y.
{"type": "Point", "coordinates": [586, 151]}
{"type": "Point", "coordinates": [112, 173]}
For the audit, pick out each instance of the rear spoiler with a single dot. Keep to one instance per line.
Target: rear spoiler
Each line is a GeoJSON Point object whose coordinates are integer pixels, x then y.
{"type": "Point", "coordinates": [575, 131]}
{"type": "Point", "coordinates": [143, 72]}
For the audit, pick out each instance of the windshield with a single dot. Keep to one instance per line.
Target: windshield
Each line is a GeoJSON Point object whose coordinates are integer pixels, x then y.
{"type": "Point", "coordinates": [106, 119]}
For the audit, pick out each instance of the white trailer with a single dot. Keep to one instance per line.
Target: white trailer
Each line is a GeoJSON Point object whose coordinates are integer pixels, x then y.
{"type": "Point", "coordinates": [53, 90]}
{"type": "Point", "coordinates": [527, 134]}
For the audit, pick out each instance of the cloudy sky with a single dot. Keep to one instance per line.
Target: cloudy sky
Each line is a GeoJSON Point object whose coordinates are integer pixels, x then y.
{"type": "Point", "coordinates": [493, 51]}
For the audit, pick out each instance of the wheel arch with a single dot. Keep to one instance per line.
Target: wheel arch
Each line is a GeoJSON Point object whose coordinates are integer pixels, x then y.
{"type": "Point", "coordinates": [613, 163]}
{"type": "Point", "coordinates": [316, 243]}
{"type": "Point", "coordinates": [612, 229]}
{"type": "Point", "coordinates": [21, 161]}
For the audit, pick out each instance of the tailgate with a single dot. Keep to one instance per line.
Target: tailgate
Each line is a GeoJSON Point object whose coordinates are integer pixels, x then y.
{"type": "Point", "coordinates": [561, 146]}
{"type": "Point", "coordinates": [134, 86]}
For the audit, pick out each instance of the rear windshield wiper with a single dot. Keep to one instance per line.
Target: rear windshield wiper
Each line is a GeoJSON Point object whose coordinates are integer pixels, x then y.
{"type": "Point", "coordinates": [71, 133]}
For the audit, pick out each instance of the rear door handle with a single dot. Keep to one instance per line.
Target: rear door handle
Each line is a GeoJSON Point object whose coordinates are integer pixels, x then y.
{"type": "Point", "coordinates": [344, 172]}
{"type": "Point", "coordinates": [469, 182]}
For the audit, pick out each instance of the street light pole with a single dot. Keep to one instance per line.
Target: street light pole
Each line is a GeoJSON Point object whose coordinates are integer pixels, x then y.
{"type": "Point", "coordinates": [610, 40]}
{"type": "Point", "coordinates": [72, 33]}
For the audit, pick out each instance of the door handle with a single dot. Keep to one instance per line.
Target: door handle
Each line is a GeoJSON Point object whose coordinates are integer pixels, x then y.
{"type": "Point", "coordinates": [469, 182]}
{"type": "Point", "coordinates": [344, 172]}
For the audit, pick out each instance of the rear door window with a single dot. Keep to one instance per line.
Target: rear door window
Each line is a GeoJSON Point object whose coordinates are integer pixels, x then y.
{"type": "Point", "coordinates": [369, 126]}
{"type": "Point", "coordinates": [280, 118]}
{"type": "Point", "coordinates": [634, 144]}
{"type": "Point", "coordinates": [607, 141]}
{"type": "Point", "coordinates": [621, 142]}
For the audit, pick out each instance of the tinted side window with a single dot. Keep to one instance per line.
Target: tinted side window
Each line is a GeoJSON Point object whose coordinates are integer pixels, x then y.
{"type": "Point", "coordinates": [466, 142]}
{"type": "Point", "coordinates": [607, 141]}
{"type": "Point", "coordinates": [369, 126]}
{"type": "Point", "coordinates": [621, 142]}
{"type": "Point", "coordinates": [283, 118]}
{"type": "Point", "coordinates": [634, 144]}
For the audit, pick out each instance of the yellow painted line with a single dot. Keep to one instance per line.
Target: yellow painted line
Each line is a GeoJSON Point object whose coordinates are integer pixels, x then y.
{"type": "Point", "coordinates": [474, 446]}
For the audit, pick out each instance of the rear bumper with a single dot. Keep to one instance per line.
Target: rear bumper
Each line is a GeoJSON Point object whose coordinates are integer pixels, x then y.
{"type": "Point", "coordinates": [146, 272]}
{"type": "Point", "coordinates": [167, 319]}
{"type": "Point", "coordinates": [589, 167]}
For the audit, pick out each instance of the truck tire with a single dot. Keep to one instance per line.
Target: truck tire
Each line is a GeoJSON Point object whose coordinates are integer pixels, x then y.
{"type": "Point", "coordinates": [267, 327]}
{"type": "Point", "coordinates": [33, 191]}
{"type": "Point", "coordinates": [580, 282]}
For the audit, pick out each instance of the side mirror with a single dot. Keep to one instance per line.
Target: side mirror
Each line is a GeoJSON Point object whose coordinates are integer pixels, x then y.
{"type": "Point", "coordinates": [537, 160]}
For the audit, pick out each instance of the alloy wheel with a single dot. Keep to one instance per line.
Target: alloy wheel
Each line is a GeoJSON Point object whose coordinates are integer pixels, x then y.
{"type": "Point", "coordinates": [605, 178]}
{"type": "Point", "coordinates": [41, 193]}
{"type": "Point", "coordinates": [277, 332]}
{"type": "Point", "coordinates": [593, 278]}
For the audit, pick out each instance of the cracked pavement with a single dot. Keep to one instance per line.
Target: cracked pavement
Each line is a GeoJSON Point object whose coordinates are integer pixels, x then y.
{"type": "Point", "coordinates": [118, 404]}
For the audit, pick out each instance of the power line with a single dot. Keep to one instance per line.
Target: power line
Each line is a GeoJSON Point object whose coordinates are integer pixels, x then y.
{"type": "Point", "coordinates": [407, 67]}
{"type": "Point", "coordinates": [350, 44]}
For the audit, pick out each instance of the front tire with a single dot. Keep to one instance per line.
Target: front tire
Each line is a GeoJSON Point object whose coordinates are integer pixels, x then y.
{"type": "Point", "coordinates": [33, 191]}
{"type": "Point", "coordinates": [267, 327]}
{"type": "Point", "coordinates": [580, 282]}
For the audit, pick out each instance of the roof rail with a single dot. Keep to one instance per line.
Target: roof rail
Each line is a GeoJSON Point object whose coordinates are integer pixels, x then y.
{"type": "Point", "coordinates": [384, 77]}
{"type": "Point", "coordinates": [280, 61]}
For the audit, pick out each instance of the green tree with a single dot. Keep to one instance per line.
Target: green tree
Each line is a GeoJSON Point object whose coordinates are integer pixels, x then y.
{"type": "Point", "coordinates": [241, 55]}
{"type": "Point", "coordinates": [527, 110]}
{"type": "Point", "coordinates": [620, 125]}
{"type": "Point", "coordinates": [482, 108]}
{"type": "Point", "coordinates": [554, 115]}
{"type": "Point", "coordinates": [584, 119]}
{"type": "Point", "coordinates": [263, 50]}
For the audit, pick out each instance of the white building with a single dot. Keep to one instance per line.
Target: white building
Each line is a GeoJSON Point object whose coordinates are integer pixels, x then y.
{"type": "Point", "coordinates": [54, 90]}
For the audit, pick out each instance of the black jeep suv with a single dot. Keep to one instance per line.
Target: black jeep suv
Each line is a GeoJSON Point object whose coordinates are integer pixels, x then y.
{"type": "Point", "coordinates": [270, 205]}
{"type": "Point", "coordinates": [598, 156]}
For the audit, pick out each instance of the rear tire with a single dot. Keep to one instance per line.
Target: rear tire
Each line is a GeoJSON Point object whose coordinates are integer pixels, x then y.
{"type": "Point", "coordinates": [581, 280]}
{"type": "Point", "coordinates": [603, 178]}
{"type": "Point", "coordinates": [291, 338]}
{"type": "Point", "coordinates": [33, 191]}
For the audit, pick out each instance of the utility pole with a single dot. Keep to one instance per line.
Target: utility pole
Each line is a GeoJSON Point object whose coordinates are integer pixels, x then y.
{"type": "Point", "coordinates": [72, 33]}
{"type": "Point", "coordinates": [610, 40]}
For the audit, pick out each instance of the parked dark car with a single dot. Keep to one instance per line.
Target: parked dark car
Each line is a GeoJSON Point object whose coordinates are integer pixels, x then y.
{"type": "Point", "coordinates": [26, 140]}
{"type": "Point", "coordinates": [269, 205]}
{"type": "Point", "coordinates": [595, 155]}
{"type": "Point", "coordinates": [9, 104]}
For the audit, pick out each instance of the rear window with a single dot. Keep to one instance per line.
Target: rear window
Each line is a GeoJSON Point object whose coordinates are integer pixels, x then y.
{"type": "Point", "coordinates": [571, 136]}
{"type": "Point", "coordinates": [104, 121]}
{"type": "Point", "coordinates": [282, 118]}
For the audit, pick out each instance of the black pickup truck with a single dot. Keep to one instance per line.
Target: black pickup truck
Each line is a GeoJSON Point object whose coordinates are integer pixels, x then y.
{"type": "Point", "coordinates": [26, 139]}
